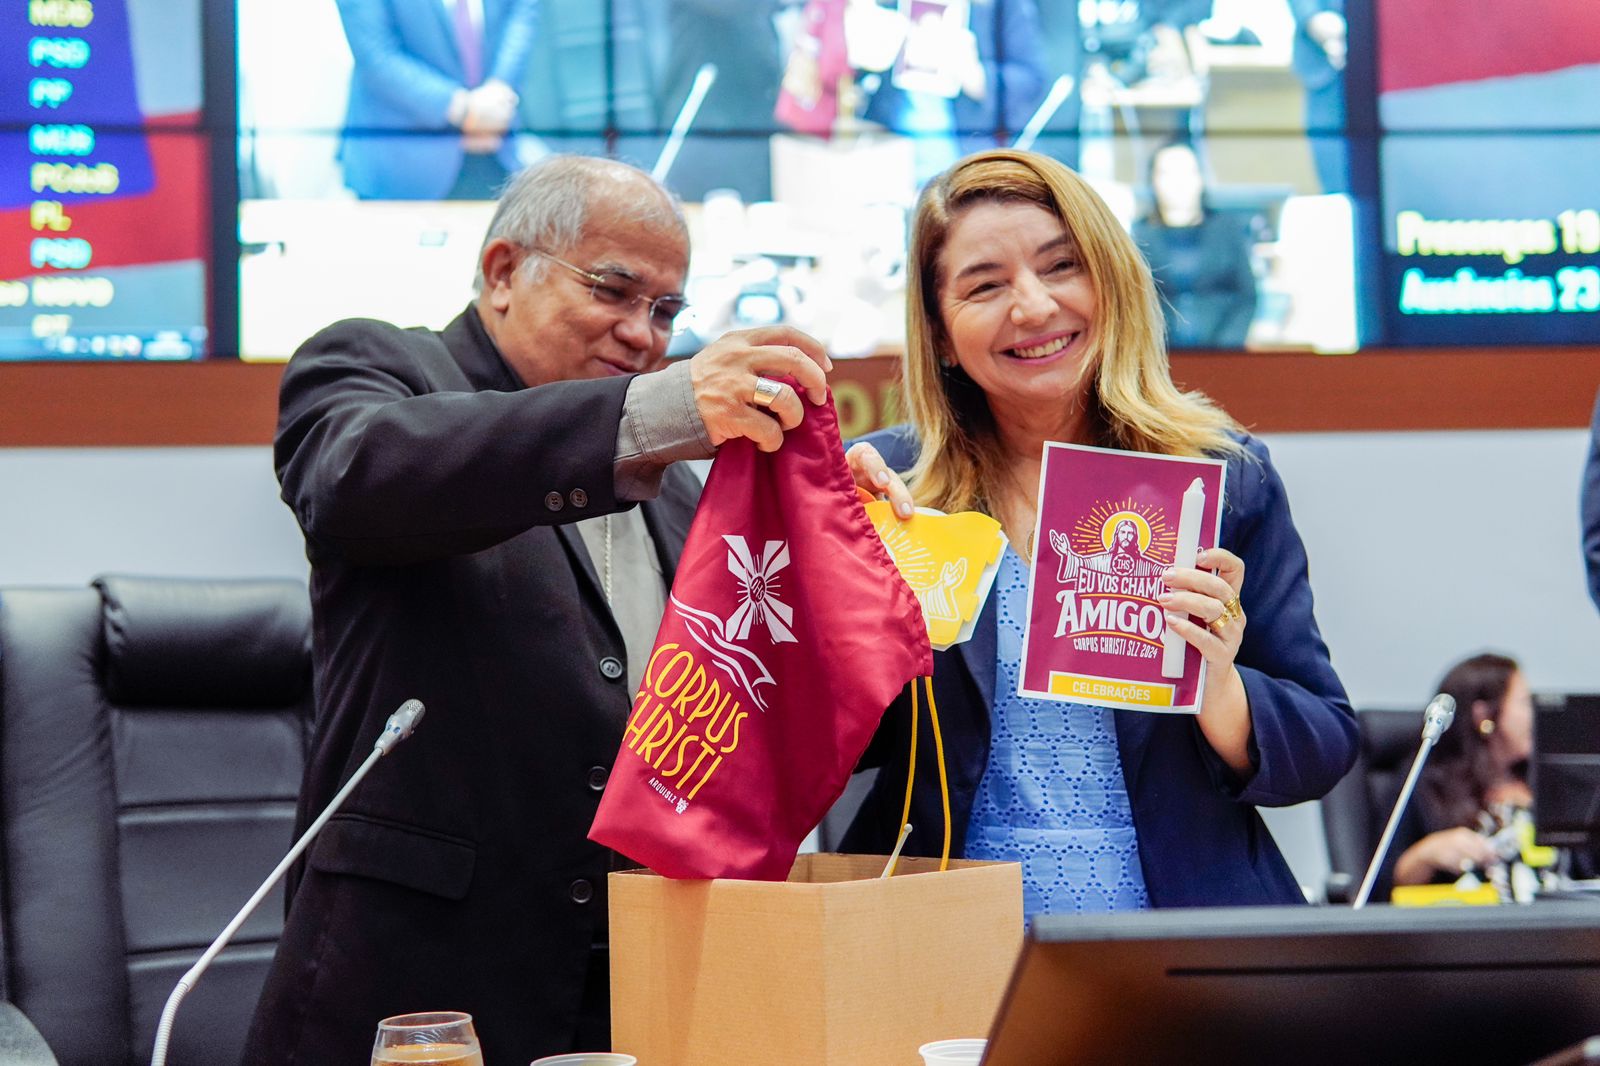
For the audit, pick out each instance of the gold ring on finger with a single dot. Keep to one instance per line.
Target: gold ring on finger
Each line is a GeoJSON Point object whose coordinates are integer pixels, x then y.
{"type": "Point", "coordinates": [1230, 611]}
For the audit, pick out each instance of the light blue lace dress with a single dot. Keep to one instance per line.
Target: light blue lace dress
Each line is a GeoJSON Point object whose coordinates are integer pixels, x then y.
{"type": "Point", "coordinates": [1052, 797]}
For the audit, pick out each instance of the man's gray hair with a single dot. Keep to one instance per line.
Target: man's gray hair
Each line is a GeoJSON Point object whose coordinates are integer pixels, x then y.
{"type": "Point", "coordinates": [546, 205]}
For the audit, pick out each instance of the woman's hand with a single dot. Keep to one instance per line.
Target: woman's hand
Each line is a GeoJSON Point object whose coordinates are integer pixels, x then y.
{"type": "Point", "coordinates": [1214, 599]}
{"type": "Point", "coordinates": [1448, 851]}
{"type": "Point", "coordinates": [873, 476]}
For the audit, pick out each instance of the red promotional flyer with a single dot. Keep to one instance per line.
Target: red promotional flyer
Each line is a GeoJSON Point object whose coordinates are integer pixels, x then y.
{"type": "Point", "coordinates": [1109, 523]}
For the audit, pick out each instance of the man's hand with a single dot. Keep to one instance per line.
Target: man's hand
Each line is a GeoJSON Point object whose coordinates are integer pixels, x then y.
{"type": "Point", "coordinates": [724, 376]}
{"type": "Point", "coordinates": [491, 109]}
{"type": "Point", "coordinates": [1328, 29]}
{"type": "Point", "coordinates": [484, 115]}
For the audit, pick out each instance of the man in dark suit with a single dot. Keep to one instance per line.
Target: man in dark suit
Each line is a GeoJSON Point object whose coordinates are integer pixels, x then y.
{"type": "Point", "coordinates": [467, 502]}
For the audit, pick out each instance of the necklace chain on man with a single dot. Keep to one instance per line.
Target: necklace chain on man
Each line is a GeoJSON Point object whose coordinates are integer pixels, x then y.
{"type": "Point", "coordinates": [605, 574]}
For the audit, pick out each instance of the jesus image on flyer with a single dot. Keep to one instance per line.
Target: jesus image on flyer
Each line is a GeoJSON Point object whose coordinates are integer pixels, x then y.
{"type": "Point", "coordinates": [1132, 547]}
{"type": "Point", "coordinates": [1112, 523]}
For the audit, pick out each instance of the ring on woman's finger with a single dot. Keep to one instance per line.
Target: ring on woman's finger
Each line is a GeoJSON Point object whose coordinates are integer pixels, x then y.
{"type": "Point", "coordinates": [1230, 611]}
{"type": "Point", "coordinates": [766, 391]}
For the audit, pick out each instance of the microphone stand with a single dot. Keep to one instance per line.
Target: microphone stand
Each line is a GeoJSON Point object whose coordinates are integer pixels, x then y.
{"type": "Point", "coordinates": [399, 726]}
{"type": "Point", "coordinates": [1436, 719]}
{"type": "Point", "coordinates": [1060, 89]}
{"type": "Point", "coordinates": [686, 114]}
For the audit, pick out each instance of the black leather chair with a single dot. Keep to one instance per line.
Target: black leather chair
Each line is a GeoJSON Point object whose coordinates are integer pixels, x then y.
{"type": "Point", "coordinates": [153, 732]}
{"type": "Point", "coordinates": [1355, 812]}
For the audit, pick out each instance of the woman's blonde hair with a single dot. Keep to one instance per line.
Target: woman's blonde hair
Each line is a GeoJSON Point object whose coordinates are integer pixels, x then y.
{"type": "Point", "coordinates": [1133, 403]}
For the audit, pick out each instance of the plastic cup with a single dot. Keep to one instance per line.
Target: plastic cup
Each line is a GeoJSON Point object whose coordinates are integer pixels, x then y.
{"type": "Point", "coordinates": [964, 1052]}
{"type": "Point", "coordinates": [590, 1058]}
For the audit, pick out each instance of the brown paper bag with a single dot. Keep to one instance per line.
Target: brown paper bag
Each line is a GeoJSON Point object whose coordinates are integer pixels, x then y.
{"type": "Point", "coordinates": [835, 967]}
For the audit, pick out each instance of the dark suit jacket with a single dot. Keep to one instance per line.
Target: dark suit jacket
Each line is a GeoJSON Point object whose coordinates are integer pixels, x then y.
{"type": "Point", "coordinates": [1201, 843]}
{"type": "Point", "coordinates": [1589, 508]}
{"type": "Point", "coordinates": [429, 485]}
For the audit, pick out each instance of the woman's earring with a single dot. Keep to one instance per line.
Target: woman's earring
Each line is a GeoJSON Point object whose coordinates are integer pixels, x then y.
{"type": "Point", "coordinates": [1486, 727]}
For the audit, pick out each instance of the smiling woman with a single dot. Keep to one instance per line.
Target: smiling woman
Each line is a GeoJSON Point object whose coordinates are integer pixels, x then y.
{"type": "Point", "coordinates": [1032, 317]}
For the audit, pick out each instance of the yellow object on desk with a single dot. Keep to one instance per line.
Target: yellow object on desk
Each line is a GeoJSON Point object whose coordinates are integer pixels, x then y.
{"type": "Point", "coordinates": [1444, 896]}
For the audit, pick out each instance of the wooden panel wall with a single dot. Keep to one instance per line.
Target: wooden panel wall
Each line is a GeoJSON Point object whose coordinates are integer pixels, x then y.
{"type": "Point", "coordinates": [225, 402]}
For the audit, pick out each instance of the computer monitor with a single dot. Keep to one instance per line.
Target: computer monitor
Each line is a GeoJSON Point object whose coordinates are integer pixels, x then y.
{"type": "Point", "coordinates": [1564, 771]}
{"type": "Point", "coordinates": [1303, 985]}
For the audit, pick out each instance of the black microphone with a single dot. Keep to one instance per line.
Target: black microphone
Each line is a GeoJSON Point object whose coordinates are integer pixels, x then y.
{"type": "Point", "coordinates": [400, 725]}
{"type": "Point", "coordinates": [1441, 711]}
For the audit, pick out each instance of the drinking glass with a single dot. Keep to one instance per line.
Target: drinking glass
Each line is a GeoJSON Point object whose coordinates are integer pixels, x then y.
{"type": "Point", "coordinates": [438, 1038]}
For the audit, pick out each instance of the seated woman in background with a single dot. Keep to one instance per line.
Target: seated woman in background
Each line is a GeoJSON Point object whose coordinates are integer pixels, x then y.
{"type": "Point", "coordinates": [1475, 782]}
{"type": "Point", "coordinates": [1200, 257]}
{"type": "Point", "coordinates": [1031, 317]}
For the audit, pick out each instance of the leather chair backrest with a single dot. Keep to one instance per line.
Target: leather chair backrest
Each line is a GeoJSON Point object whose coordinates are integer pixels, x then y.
{"type": "Point", "coordinates": [153, 732]}
{"type": "Point", "coordinates": [1355, 812]}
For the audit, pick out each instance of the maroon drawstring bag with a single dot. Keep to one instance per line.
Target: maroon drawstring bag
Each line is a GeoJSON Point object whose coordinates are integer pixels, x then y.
{"type": "Point", "coordinates": [787, 633]}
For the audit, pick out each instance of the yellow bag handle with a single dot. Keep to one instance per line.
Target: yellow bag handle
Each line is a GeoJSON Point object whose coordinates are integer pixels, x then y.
{"type": "Point", "coordinates": [911, 770]}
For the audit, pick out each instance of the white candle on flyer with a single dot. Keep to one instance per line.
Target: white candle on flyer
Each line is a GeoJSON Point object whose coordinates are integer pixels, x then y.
{"type": "Point", "coordinates": [1174, 646]}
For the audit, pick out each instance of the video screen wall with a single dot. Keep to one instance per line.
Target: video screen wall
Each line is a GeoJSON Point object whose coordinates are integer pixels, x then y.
{"type": "Point", "coordinates": [1304, 175]}
{"type": "Point", "coordinates": [1489, 165]}
{"type": "Point", "coordinates": [105, 214]}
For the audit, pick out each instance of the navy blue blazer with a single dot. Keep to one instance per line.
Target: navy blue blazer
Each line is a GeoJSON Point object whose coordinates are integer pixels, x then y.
{"type": "Point", "coordinates": [1201, 842]}
{"type": "Point", "coordinates": [1590, 507]}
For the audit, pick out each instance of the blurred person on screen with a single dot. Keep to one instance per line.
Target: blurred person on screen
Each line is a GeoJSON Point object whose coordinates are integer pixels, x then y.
{"type": "Point", "coordinates": [1590, 507]}
{"type": "Point", "coordinates": [1032, 317]}
{"type": "Point", "coordinates": [468, 503]}
{"type": "Point", "coordinates": [967, 70]}
{"type": "Point", "coordinates": [1141, 41]}
{"type": "Point", "coordinates": [432, 103]}
{"type": "Point", "coordinates": [1321, 46]}
{"type": "Point", "coordinates": [1200, 256]}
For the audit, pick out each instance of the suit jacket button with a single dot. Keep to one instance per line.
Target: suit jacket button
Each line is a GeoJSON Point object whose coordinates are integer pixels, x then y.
{"type": "Point", "coordinates": [597, 778]}
{"type": "Point", "coordinates": [554, 501]}
{"type": "Point", "coordinates": [611, 668]}
{"type": "Point", "coordinates": [582, 891]}
{"type": "Point", "coordinates": [579, 498]}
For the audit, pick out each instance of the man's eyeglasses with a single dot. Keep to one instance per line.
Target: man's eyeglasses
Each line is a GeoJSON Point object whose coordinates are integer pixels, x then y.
{"type": "Point", "coordinates": [622, 292]}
